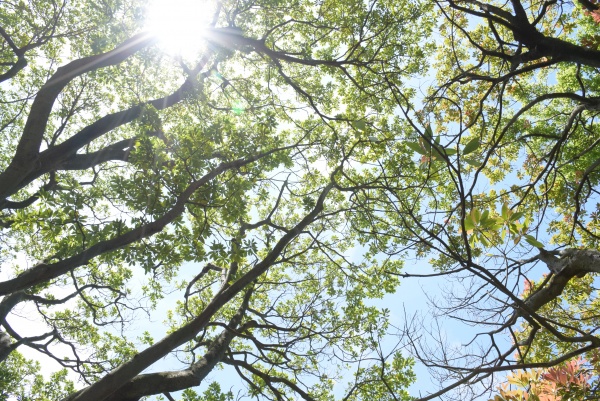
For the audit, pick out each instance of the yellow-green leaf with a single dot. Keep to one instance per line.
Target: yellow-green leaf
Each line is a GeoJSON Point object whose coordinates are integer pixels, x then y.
{"type": "Point", "coordinates": [471, 146]}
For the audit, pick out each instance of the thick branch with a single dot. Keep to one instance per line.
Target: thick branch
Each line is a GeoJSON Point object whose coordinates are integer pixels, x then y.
{"type": "Point", "coordinates": [88, 160]}
{"type": "Point", "coordinates": [571, 263]}
{"type": "Point", "coordinates": [120, 376]}
{"type": "Point", "coordinates": [577, 261]}
{"type": "Point", "coordinates": [524, 32]}
{"type": "Point", "coordinates": [589, 5]}
{"type": "Point", "coordinates": [19, 53]}
{"type": "Point", "coordinates": [53, 159]}
{"type": "Point", "coordinates": [8, 302]}
{"type": "Point", "coordinates": [44, 271]}
{"type": "Point", "coordinates": [14, 70]}
{"type": "Point", "coordinates": [27, 151]}
{"type": "Point", "coordinates": [161, 382]}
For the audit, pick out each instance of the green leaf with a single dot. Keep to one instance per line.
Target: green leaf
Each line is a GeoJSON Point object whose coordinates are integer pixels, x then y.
{"type": "Point", "coordinates": [484, 215]}
{"type": "Point", "coordinates": [474, 215]}
{"type": "Point", "coordinates": [471, 146]}
{"type": "Point", "coordinates": [359, 125]}
{"type": "Point", "coordinates": [532, 241]}
{"type": "Point", "coordinates": [450, 151]}
{"type": "Point", "coordinates": [505, 211]}
{"type": "Point", "coordinates": [516, 216]}
{"type": "Point", "coordinates": [469, 225]}
{"type": "Point", "coordinates": [428, 131]}
{"type": "Point", "coordinates": [484, 240]}
{"type": "Point", "coordinates": [498, 223]}
{"type": "Point", "coordinates": [489, 224]}
{"type": "Point", "coordinates": [472, 162]}
{"type": "Point", "coordinates": [416, 147]}
{"type": "Point", "coordinates": [436, 154]}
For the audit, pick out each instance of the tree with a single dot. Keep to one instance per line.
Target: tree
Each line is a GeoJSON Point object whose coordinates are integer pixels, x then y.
{"type": "Point", "coordinates": [243, 178]}
{"type": "Point", "coordinates": [494, 178]}
{"type": "Point", "coordinates": [211, 176]}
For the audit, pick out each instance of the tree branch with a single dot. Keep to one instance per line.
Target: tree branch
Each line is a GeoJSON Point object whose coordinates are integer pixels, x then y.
{"type": "Point", "coordinates": [25, 158]}
{"type": "Point", "coordinates": [161, 382]}
{"type": "Point", "coordinates": [117, 378]}
{"type": "Point", "coordinates": [44, 272]}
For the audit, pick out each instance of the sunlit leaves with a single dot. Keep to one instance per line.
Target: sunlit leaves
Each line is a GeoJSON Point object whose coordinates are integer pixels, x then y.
{"type": "Point", "coordinates": [532, 241]}
{"type": "Point", "coordinates": [565, 382]}
{"type": "Point", "coordinates": [431, 149]}
{"type": "Point", "coordinates": [359, 125]}
{"type": "Point", "coordinates": [151, 194]}
{"type": "Point", "coordinates": [212, 393]}
{"type": "Point", "coordinates": [479, 223]}
{"type": "Point", "coordinates": [22, 379]}
{"type": "Point", "coordinates": [491, 228]}
{"type": "Point", "coordinates": [417, 147]}
{"type": "Point", "coordinates": [471, 146]}
{"type": "Point", "coordinates": [366, 385]}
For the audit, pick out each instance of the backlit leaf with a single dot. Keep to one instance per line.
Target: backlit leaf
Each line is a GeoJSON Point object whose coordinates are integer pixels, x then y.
{"type": "Point", "coordinates": [471, 146]}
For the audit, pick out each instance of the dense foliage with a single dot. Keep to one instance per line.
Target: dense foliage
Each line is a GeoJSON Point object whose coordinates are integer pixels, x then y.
{"type": "Point", "coordinates": [132, 178]}
{"type": "Point", "coordinates": [239, 208]}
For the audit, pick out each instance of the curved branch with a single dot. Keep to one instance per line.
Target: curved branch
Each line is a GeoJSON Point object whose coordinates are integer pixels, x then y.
{"type": "Point", "coordinates": [24, 160]}
{"type": "Point", "coordinates": [161, 382]}
{"type": "Point", "coordinates": [53, 158]}
{"type": "Point", "coordinates": [44, 271]}
{"type": "Point", "coordinates": [120, 376]}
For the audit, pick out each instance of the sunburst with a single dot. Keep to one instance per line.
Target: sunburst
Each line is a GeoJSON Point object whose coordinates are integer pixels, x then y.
{"type": "Point", "coordinates": [180, 25]}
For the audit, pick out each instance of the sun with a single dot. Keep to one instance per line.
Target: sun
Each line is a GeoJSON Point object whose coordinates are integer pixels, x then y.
{"type": "Point", "coordinates": [180, 25]}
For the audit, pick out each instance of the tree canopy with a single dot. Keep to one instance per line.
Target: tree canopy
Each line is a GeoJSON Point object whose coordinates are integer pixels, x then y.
{"type": "Point", "coordinates": [237, 211]}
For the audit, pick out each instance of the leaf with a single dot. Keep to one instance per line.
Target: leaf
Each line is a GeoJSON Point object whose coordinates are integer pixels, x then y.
{"type": "Point", "coordinates": [425, 144]}
{"type": "Point", "coordinates": [489, 223]}
{"type": "Point", "coordinates": [485, 215]}
{"type": "Point", "coordinates": [472, 162]}
{"type": "Point", "coordinates": [532, 241]}
{"type": "Point", "coordinates": [505, 211]}
{"type": "Point", "coordinates": [359, 125]}
{"type": "Point", "coordinates": [471, 146]}
{"type": "Point", "coordinates": [469, 225]}
{"type": "Point", "coordinates": [436, 154]}
{"type": "Point", "coordinates": [484, 240]}
{"type": "Point", "coordinates": [416, 147]}
{"type": "Point", "coordinates": [516, 216]}
{"type": "Point", "coordinates": [474, 216]}
{"type": "Point", "coordinates": [428, 131]}
{"type": "Point", "coordinates": [450, 151]}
